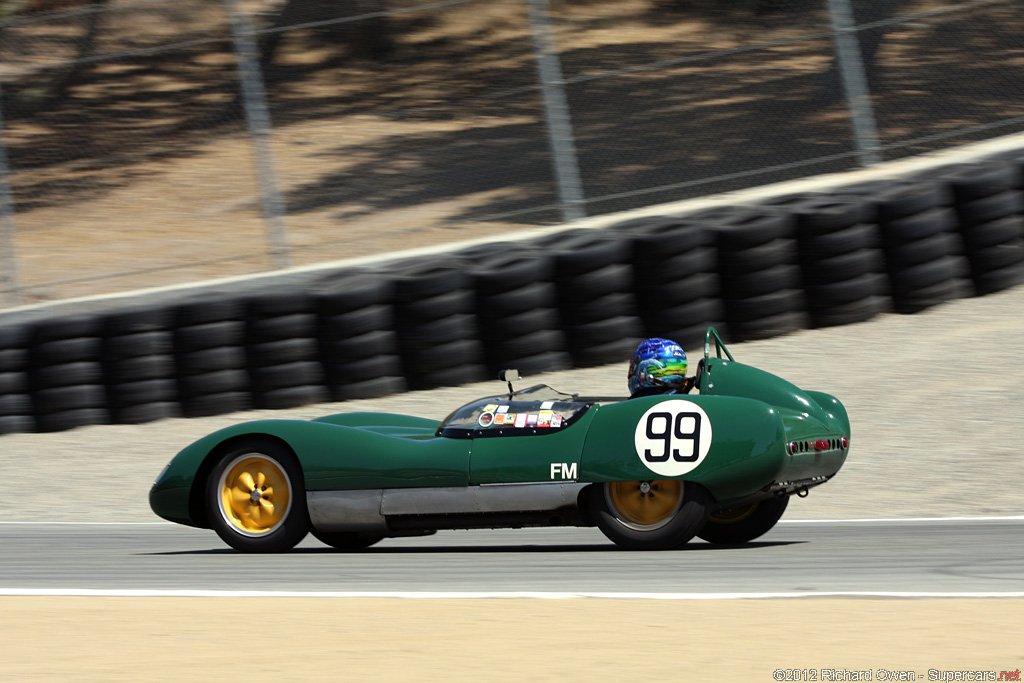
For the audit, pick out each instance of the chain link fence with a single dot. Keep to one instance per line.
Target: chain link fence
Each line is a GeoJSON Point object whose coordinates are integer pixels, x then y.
{"type": "Point", "coordinates": [152, 143]}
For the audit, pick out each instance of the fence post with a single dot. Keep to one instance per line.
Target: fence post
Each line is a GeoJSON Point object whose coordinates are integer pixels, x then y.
{"type": "Point", "coordinates": [855, 82]}
{"type": "Point", "coordinates": [556, 113]}
{"type": "Point", "coordinates": [8, 251]}
{"type": "Point", "coordinates": [257, 116]}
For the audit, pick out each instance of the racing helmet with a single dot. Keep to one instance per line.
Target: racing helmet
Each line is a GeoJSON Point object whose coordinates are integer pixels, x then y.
{"type": "Point", "coordinates": [657, 363]}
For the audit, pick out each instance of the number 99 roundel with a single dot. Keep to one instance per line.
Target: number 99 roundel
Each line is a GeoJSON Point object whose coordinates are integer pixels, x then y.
{"type": "Point", "coordinates": [673, 437]}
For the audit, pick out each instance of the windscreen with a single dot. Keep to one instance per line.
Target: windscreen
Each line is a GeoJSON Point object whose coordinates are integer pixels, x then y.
{"type": "Point", "coordinates": [537, 410]}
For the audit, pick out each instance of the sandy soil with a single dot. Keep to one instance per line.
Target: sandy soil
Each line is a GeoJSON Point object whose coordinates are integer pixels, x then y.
{"type": "Point", "coordinates": [120, 639]}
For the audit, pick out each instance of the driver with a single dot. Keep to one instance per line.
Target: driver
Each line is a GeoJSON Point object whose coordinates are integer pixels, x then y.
{"type": "Point", "coordinates": [658, 366]}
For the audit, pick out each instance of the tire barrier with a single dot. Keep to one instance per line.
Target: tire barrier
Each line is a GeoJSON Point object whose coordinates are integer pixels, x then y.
{"type": "Point", "coordinates": [357, 338]}
{"type": "Point", "coordinates": [841, 259]}
{"type": "Point", "coordinates": [138, 365]}
{"type": "Point", "coordinates": [16, 414]}
{"type": "Point", "coordinates": [65, 373]}
{"type": "Point", "coordinates": [758, 270]}
{"type": "Point", "coordinates": [593, 283]}
{"type": "Point", "coordinates": [576, 298]}
{"type": "Point", "coordinates": [281, 349]}
{"type": "Point", "coordinates": [989, 206]}
{"type": "Point", "coordinates": [923, 251]}
{"type": "Point", "coordinates": [516, 309]}
{"type": "Point", "coordinates": [675, 279]}
{"type": "Point", "coordinates": [209, 351]}
{"type": "Point", "coordinates": [438, 338]}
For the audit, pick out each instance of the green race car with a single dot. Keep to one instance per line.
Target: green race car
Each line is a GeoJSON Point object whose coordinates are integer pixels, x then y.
{"type": "Point", "coordinates": [650, 472]}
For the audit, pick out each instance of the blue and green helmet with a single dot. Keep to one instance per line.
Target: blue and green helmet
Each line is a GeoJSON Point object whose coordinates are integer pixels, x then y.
{"type": "Point", "coordinates": [657, 363]}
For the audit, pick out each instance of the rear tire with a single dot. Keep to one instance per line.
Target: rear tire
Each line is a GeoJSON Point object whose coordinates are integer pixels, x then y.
{"type": "Point", "coordinates": [743, 523]}
{"type": "Point", "coordinates": [657, 514]}
{"type": "Point", "coordinates": [257, 498]}
{"type": "Point", "coordinates": [345, 540]}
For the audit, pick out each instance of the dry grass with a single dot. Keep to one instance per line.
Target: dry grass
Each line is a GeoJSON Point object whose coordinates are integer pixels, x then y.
{"type": "Point", "coordinates": [143, 175]}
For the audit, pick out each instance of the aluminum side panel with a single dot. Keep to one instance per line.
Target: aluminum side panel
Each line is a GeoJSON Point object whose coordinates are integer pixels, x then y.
{"type": "Point", "coordinates": [367, 510]}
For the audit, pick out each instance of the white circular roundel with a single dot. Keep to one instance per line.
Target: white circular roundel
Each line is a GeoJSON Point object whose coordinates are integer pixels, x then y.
{"type": "Point", "coordinates": [673, 437]}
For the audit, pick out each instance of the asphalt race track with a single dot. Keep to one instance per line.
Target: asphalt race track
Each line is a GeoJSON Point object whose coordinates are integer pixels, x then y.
{"type": "Point", "coordinates": [937, 556]}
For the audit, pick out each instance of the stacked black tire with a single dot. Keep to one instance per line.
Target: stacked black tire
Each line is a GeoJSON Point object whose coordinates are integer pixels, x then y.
{"type": "Point", "coordinates": [66, 373]}
{"type": "Point", "coordinates": [281, 349]}
{"type": "Point", "coordinates": [757, 265]}
{"type": "Point", "coordinates": [574, 298]}
{"type": "Point", "coordinates": [358, 343]}
{"type": "Point", "coordinates": [16, 413]}
{"type": "Point", "coordinates": [923, 251]}
{"type": "Point", "coordinates": [675, 280]}
{"type": "Point", "coordinates": [516, 309]}
{"type": "Point", "coordinates": [840, 259]}
{"type": "Point", "coordinates": [989, 206]}
{"type": "Point", "coordinates": [138, 365]}
{"type": "Point", "coordinates": [438, 338]}
{"type": "Point", "coordinates": [594, 282]}
{"type": "Point", "coordinates": [209, 351]}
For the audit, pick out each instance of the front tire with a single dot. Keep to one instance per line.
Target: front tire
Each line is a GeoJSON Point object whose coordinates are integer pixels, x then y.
{"type": "Point", "coordinates": [656, 514]}
{"type": "Point", "coordinates": [257, 498]}
{"type": "Point", "coordinates": [744, 523]}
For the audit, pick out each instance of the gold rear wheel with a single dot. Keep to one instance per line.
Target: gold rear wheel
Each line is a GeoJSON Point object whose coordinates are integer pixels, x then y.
{"type": "Point", "coordinates": [656, 514]}
{"type": "Point", "coordinates": [733, 515]}
{"type": "Point", "coordinates": [744, 522]}
{"type": "Point", "coordinates": [645, 505]}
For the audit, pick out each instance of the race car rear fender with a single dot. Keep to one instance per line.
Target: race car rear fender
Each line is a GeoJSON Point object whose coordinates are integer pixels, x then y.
{"type": "Point", "coordinates": [834, 410]}
{"type": "Point", "coordinates": [730, 445]}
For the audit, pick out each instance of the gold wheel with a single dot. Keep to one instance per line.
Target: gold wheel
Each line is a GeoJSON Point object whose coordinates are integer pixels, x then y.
{"type": "Point", "coordinates": [733, 515]}
{"type": "Point", "coordinates": [255, 494]}
{"type": "Point", "coordinates": [645, 505]}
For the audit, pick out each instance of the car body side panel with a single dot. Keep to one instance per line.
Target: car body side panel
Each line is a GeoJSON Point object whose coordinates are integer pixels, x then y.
{"type": "Point", "coordinates": [551, 456]}
{"type": "Point", "coordinates": [332, 457]}
{"type": "Point", "coordinates": [365, 459]}
{"type": "Point", "coordinates": [746, 452]}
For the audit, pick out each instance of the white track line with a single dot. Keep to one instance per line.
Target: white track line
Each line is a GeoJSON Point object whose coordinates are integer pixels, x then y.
{"type": "Point", "coordinates": [487, 595]}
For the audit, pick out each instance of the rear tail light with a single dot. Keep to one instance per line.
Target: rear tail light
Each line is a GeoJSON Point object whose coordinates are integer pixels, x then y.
{"type": "Point", "coordinates": [794, 447]}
